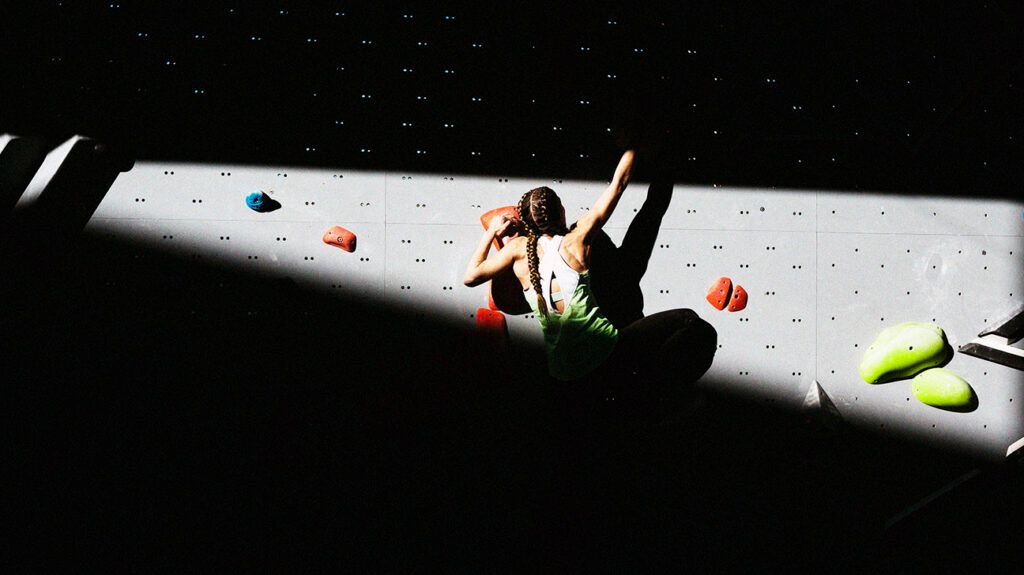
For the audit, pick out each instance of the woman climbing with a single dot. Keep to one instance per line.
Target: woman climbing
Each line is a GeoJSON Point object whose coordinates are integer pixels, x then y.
{"type": "Point", "coordinates": [664, 352]}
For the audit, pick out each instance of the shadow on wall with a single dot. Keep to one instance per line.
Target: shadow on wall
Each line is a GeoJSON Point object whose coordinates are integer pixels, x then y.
{"type": "Point", "coordinates": [159, 391]}
{"type": "Point", "coordinates": [183, 407]}
{"type": "Point", "coordinates": [193, 392]}
{"type": "Point", "coordinates": [617, 271]}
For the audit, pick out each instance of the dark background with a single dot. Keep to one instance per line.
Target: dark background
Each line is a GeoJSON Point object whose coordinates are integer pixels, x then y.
{"type": "Point", "coordinates": [779, 82]}
{"type": "Point", "coordinates": [156, 418]}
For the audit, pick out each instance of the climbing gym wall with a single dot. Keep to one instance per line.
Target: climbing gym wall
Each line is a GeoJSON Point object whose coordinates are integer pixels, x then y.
{"type": "Point", "coordinates": [234, 323]}
{"type": "Point", "coordinates": [824, 272]}
{"type": "Point", "coordinates": [855, 173]}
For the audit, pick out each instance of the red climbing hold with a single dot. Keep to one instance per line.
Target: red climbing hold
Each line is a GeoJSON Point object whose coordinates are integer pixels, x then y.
{"type": "Point", "coordinates": [739, 299]}
{"type": "Point", "coordinates": [504, 292]}
{"type": "Point", "coordinates": [509, 211]}
{"type": "Point", "coordinates": [492, 323]}
{"type": "Point", "coordinates": [490, 352]}
{"type": "Point", "coordinates": [719, 292]}
{"type": "Point", "coordinates": [340, 237]}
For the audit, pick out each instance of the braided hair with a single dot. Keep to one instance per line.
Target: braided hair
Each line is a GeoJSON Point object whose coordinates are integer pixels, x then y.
{"type": "Point", "coordinates": [539, 211]}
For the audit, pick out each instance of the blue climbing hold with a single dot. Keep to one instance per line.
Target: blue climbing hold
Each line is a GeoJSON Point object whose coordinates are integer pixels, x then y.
{"type": "Point", "coordinates": [256, 200]}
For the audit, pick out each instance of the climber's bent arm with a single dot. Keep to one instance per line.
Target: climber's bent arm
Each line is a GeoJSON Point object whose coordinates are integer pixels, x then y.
{"type": "Point", "coordinates": [482, 268]}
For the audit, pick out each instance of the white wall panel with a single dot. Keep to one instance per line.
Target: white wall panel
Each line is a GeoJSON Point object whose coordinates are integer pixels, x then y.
{"type": "Point", "coordinates": [950, 283]}
{"type": "Point", "coordinates": [443, 199]}
{"type": "Point", "coordinates": [825, 271]}
{"type": "Point", "coordinates": [893, 214]}
{"type": "Point", "coordinates": [203, 192]}
{"type": "Point", "coordinates": [715, 208]}
{"type": "Point", "coordinates": [767, 349]}
{"type": "Point", "coordinates": [426, 266]}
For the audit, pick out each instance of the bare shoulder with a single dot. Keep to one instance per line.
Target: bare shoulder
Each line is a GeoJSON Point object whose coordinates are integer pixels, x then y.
{"type": "Point", "coordinates": [583, 226]}
{"type": "Point", "coordinates": [517, 244]}
{"type": "Point", "coordinates": [578, 233]}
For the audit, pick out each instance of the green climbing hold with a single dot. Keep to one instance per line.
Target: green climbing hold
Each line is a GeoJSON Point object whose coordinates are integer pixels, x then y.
{"type": "Point", "coordinates": [942, 388]}
{"type": "Point", "coordinates": [903, 350]}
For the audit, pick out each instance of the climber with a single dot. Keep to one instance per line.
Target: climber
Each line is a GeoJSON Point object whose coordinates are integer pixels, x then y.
{"type": "Point", "coordinates": [663, 351]}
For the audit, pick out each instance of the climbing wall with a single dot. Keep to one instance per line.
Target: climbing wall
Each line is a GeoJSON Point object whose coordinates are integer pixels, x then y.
{"type": "Point", "coordinates": [825, 271]}
{"type": "Point", "coordinates": [953, 262]}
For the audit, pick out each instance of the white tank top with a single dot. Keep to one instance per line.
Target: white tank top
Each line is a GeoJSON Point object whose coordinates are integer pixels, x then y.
{"type": "Point", "coordinates": [552, 265]}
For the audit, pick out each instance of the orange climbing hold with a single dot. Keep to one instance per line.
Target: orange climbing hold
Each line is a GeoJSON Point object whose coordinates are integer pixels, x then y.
{"type": "Point", "coordinates": [492, 323]}
{"type": "Point", "coordinates": [340, 237]}
{"type": "Point", "coordinates": [739, 299]}
{"type": "Point", "coordinates": [719, 293]}
{"type": "Point", "coordinates": [509, 211]}
{"type": "Point", "coordinates": [490, 353]}
{"type": "Point", "coordinates": [504, 292]}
